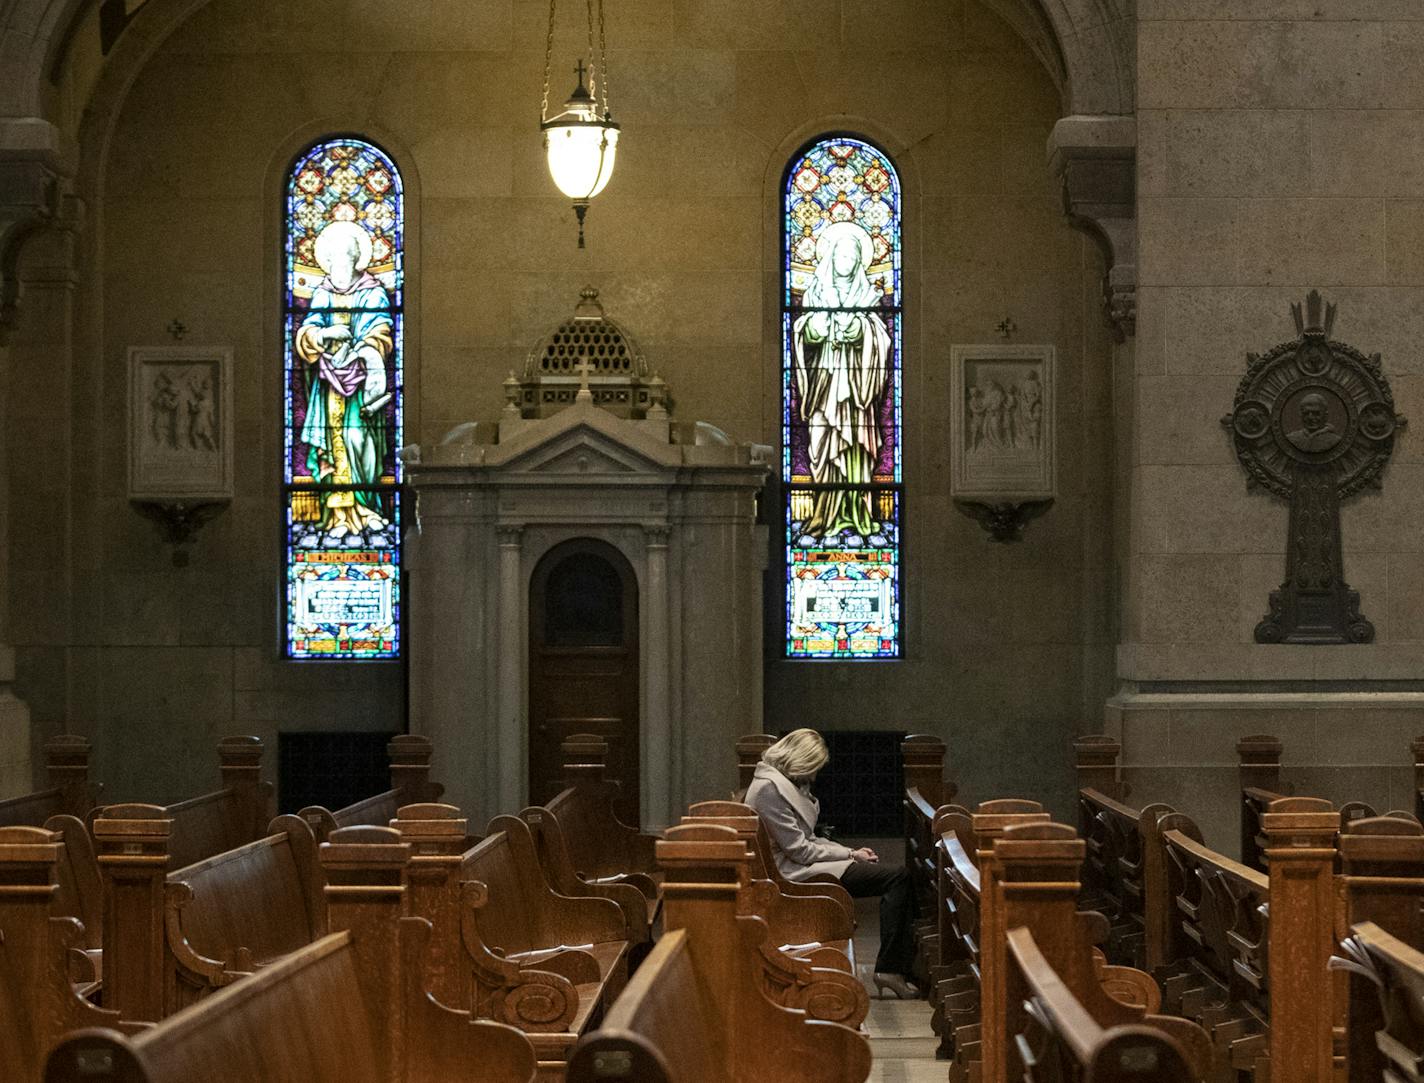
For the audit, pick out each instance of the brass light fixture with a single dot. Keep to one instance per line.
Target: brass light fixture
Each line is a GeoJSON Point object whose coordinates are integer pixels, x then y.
{"type": "Point", "coordinates": [582, 141]}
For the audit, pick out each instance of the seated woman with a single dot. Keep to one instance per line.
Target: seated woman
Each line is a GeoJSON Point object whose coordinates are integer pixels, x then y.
{"type": "Point", "coordinates": [781, 794]}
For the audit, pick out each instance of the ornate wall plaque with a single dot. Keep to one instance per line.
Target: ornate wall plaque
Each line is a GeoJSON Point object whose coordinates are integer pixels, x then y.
{"type": "Point", "coordinates": [1314, 422]}
{"type": "Point", "coordinates": [1002, 465]}
{"type": "Point", "coordinates": [180, 423]}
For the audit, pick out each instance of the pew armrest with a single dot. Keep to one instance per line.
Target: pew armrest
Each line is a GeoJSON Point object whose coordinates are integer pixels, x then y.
{"type": "Point", "coordinates": [573, 963]}
{"type": "Point", "coordinates": [640, 880]}
{"type": "Point", "coordinates": [192, 967]}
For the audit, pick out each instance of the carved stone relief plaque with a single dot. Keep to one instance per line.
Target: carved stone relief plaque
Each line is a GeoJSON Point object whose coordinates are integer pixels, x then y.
{"type": "Point", "coordinates": [1002, 466]}
{"type": "Point", "coordinates": [180, 423]}
{"type": "Point", "coordinates": [1314, 422]}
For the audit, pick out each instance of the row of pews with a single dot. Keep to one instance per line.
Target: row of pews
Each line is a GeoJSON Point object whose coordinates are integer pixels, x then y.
{"type": "Point", "coordinates": [1126, 948]}
{"type": "Point", "coordinates": [385, 941]}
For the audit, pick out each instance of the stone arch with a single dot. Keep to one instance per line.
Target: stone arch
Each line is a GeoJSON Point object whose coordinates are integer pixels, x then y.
{"type": "Point", "coordinates": [32, 40]}
{"type": "Point", "coordinates": [1088, 48]}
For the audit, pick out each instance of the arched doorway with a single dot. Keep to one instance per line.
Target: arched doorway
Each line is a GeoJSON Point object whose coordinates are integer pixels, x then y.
{"type": "Point", "coordinates": [583, 663]}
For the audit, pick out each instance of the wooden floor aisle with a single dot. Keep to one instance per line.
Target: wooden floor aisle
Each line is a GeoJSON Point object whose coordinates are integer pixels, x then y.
{"type": "Point", "coordinates": [900, 1036]}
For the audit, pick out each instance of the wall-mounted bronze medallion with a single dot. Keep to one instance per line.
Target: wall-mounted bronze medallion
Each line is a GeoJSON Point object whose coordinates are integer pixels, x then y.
{"type": "Point", "coordinates": [1314, 422]}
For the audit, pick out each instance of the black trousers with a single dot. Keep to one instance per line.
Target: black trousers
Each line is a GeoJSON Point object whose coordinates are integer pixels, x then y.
{"type": "Point", "coordinates": [897, 912]}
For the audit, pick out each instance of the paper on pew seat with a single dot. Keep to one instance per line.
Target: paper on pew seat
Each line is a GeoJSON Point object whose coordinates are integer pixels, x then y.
{"type": "Point", "coordinates": [539, 953]}
{"type": "Point", "coordinates": [789, 948]}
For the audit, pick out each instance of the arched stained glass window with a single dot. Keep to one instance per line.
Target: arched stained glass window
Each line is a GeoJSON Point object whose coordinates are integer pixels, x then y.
{"type": "Point", "coordinates": [841, 402]}
{"type": "Point", "coordinates": [344, 298]}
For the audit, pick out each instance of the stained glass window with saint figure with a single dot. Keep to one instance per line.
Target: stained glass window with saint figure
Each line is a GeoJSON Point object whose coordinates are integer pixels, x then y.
{"type": "Point", "coordinates": [841, 402]}
{"type": "Point", "coordinates": [344, 299]}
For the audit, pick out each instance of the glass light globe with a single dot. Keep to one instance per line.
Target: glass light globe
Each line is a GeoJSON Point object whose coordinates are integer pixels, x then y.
{"type": "Point", "coordinates": [581, 150]}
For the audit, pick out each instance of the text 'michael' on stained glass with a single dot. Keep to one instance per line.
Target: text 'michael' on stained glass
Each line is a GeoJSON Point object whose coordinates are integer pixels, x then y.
{"type": "Point", "coordinates": [841, 462]}
{"type": "Point", "coordinates": [344, 298]}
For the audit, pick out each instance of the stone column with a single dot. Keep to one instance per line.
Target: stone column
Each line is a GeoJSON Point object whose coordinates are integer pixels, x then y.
{"type": "Point", "coordinates": [513, 713]}
{"type": "Point", "coordinates": [29, 196]}
{"type": "Point", "coordinates": [657, 744]}
{"type": "Point", "coordinates": [15, 762]}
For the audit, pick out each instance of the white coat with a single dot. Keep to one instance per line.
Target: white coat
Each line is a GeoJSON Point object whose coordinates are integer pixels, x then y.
{"type": "Point", "coordinates": [790, 813]}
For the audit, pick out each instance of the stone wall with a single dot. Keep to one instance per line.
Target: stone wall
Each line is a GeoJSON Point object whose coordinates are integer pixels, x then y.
{"type": "Point", "coordinates": [1009, 647]}
{"type": "Point", "coordinates": [1278, 151]}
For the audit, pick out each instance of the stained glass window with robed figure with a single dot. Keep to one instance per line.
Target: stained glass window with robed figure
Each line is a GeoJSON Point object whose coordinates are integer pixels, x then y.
{"type": "Point", "coordinates": [841, 402]}
{"type": "Point", "coordinates": [344, 298]}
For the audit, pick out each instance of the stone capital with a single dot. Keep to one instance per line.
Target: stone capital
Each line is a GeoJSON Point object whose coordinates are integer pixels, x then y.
{"type": "Point", "coordinates": [32, 195]}
{"type": "Point", "coordinates": [1095, 160]}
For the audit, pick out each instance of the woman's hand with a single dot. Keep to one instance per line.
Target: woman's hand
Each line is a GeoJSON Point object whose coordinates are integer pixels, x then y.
{"type": "Point", "coordinates": [865, 853]}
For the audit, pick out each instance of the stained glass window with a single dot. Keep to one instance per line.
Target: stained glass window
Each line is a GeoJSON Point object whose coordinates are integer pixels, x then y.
{"type": "Point", "coordinates": [344, 299]}
{"type": "Point", "coordinates": [841, 402]}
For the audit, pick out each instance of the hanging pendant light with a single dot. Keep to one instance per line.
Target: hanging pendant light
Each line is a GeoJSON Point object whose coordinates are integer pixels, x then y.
{"type": "Point", "coordinates": [582, 141]}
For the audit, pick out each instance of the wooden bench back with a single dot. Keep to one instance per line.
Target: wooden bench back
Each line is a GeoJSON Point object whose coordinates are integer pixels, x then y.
{"type": "Point", "coordinates": [550, 840]}
{"type": "Point", "coordinates": [1117, 868]}
{"type": "Point", "coordinates": [38, 1002]}
{"type": "Point", "coordinates": [1033, 876]}
{"type": "Point", "coordinates": [1062, 1042]}
{"type": "Point", "coordinates": [410, 756]}
{"type": "Point", "coordinates": [350, 1006]}
{"type": "Point", "coordinates": [492, 901]}
{"type": "Point", "coordinates": [1218, 913]}
{"type": "Point", "coordinates": [80, 894]}
{"type": "Point", "coordinates": [600, 843]}
{"type": "Point", "coordinates": [69, 793]}
{"type": "Point", "coordinates": [925, 790]}
{"type": "Point", "coordinates": [240, 910]}
{"type": "Point", "coordinates": [210, 823]}
{"type": "Point", "coordinates": [694, 1011]}
{"type": "Point", "coordinates": [171, 937]}
{"type": "Point", "coordinates": [1386, 1021]}
{"type": "Point", "coordinates": [750, 748]}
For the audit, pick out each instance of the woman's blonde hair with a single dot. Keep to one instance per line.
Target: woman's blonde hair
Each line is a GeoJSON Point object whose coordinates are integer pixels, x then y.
{"type": "Point", "coordinates": [798, 755]}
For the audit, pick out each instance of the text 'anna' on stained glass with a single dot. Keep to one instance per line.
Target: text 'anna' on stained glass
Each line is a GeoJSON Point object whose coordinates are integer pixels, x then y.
{"type": "Point", "coordinates": [841, 402]}
{"type": "Point", "coordinates": [344, 300]}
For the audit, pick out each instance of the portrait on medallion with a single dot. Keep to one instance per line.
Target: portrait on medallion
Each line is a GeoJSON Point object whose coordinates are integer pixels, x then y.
{"type": "Point", "coordinates": [1316, 433]}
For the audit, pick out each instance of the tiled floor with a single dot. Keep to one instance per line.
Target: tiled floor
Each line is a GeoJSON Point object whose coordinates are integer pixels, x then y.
{"type": "Point", "coordinates": [900, 1036]}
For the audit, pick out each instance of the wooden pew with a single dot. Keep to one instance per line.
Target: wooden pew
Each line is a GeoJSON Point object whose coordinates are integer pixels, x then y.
{"type": "Point", "coordinates": [695, 1011]}
{"type": "Point", "coordinates": [1386, 1021]}
{"type": "Point", "coordinates": [961, 912]}
{"type": "Point", "coordinates": [410, 756]}
{"type": "Point", "coordinates": [1210, 912]}
{"type": "Point", "coordinates": [1246, 953]}
{"type": "Point", "coordinates": [63, 807]}
{"type": "Point", "coordinates": [1382, 882]}
{"type": "Point", "coordinates": [744, 819]}
{"type": "Point", "coordinates": [925, 791]}
{"type": "Point", "coordinates": [172, 937]}
{"type": "Point", "coordinates": [1053, 998]}
{"type": "Point", "coordinates": [504, 944]}
{"type": "Point", "coordinates": [557, 860]}
{"type": "Point", "coordinates": [349, 1008]}
{"type": "Point", "coordinates": [232, 815]}
{"type": "Point", "coordinates": [70, 793]}
{"type": "Point", "coordinates": [38, 1001]}
{"type": "Point", "coordinates": [1261, 784]}
{"type": "Point", "coordinates": [809, 955]}
{"type": "Point", "coordinates": [1061, 1039]}
{"type": "Point", "coordinates": [750, 748]}
{"type": "Point", "coordinates": [603, 847]}
{"type": "Point", "coordinates": [1116, 865]}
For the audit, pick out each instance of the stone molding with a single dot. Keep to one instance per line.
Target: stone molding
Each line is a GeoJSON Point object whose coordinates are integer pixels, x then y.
{"type": "Point", "coordinates": [30, 197]}
{"type": "Point", "coordinates": [1095, 160]}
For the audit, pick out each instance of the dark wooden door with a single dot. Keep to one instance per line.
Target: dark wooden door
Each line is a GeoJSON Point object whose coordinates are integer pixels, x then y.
{"type": "Point", "coordinates": [583, 664]}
